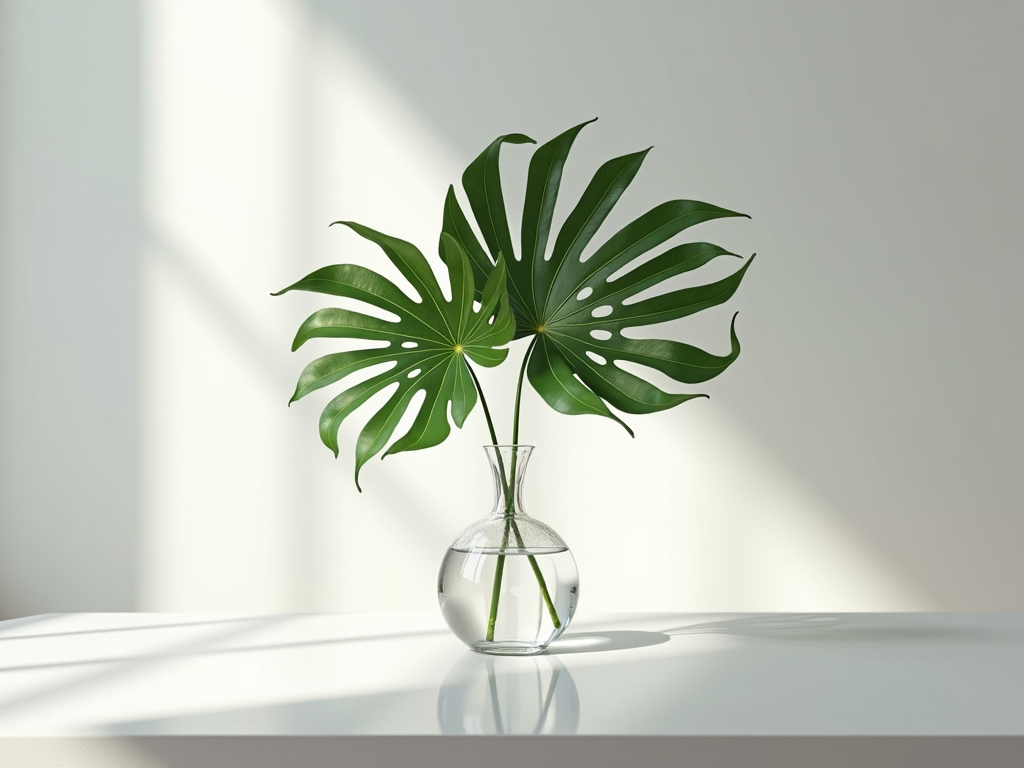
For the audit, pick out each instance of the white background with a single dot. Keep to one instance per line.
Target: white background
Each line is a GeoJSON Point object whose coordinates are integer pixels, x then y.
{"type": "Point", "coordinates": [165, 165]}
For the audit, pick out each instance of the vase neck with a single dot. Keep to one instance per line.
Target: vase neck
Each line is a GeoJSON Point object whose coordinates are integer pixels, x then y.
{"type": "Point", "coordinates": [508, 467]}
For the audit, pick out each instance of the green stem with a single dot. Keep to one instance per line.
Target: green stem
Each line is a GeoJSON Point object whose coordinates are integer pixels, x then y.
{"type": "Point", "coordinates": [509, 489]}
{"type": "Point", "coordinates": [510, 497]}
{"type": "Point", "coordinates": [515, 528]}
{"type": "Point", "coordinates": [483, 402]}
{"type": "Point", "coordinates": [519, 392]}
{"type": "Point", "coordinates": [499, 567]}
{"type": "Point", "coordinates": [540, 579]}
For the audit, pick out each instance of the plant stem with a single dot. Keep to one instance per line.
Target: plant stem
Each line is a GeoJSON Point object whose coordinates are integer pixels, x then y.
{"type": "Point", "coordinates": [510, 497]}
{"type": "Point", "coordinates": [519, 392]}
{"type": "Point", "coordinates": [515, 528]}
{"type": "Point", "coordinates": [509, 488]}
{"type": "Point", "coordinates": [499, 567]}
{"type": "Point", "coordinates": [540, 579]}
{"type": "Point", "coordinates": [483, 402]}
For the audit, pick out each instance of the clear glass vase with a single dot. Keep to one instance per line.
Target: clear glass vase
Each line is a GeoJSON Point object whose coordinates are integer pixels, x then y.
{"type": "Point", "coordinates": [508, 584]}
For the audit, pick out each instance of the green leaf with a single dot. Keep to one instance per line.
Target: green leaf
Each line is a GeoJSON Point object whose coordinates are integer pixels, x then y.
{"type": "Point", "coordinates": [580, 306]}
{"type": "Point", "coordinates": [553, 377]}
{"type": "Point", "coordinates": [482, 181]}
{"type": "Point", "coordinates": [426, 346]}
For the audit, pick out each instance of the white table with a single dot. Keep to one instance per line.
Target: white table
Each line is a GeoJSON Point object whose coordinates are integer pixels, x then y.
{"type": "Point", "coordinates": [621, 690]}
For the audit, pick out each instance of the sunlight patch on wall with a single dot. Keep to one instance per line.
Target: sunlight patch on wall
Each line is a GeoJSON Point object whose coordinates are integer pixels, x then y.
{"type": "Point", "coordinates": [216, 172]}
{"type": "Point", "coordinates": [259, 131]}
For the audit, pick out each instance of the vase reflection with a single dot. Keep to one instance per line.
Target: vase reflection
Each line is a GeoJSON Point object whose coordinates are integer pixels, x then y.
{"type": "Point", "coordinates": [508, 695]}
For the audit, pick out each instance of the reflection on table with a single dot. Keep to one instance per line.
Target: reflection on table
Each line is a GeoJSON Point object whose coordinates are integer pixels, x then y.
{"type": "Point", "coordinates": [508, 695]}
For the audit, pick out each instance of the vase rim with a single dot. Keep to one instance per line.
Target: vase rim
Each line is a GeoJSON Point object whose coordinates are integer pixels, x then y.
{"type": "Point", "coordinates": [509, 445]}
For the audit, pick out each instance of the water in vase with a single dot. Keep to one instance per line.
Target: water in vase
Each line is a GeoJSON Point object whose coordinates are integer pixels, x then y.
{"type": "Point", "coordinates": [511, 601]}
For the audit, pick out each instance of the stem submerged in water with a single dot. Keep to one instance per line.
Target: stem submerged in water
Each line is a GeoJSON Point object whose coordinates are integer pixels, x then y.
{"type": "Point", "coordinates": [540, 579]}
{"type": "Point", "coordinates": [499, 569]}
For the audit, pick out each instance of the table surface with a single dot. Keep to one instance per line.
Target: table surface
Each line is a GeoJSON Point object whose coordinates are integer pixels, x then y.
{"type": "Point", "coordinates": [925, 674]}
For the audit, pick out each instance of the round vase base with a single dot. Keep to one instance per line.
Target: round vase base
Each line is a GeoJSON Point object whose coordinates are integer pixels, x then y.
{"type": "Point", "coordinates": [508, 648]}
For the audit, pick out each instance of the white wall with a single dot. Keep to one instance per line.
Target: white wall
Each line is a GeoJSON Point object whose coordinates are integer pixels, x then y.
{"type": "Point", "coordinates": [165, 165]}
{"type": "Point", "coordinates": [70, 229]}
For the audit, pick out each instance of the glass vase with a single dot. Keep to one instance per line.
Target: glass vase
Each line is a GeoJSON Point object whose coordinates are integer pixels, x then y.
{"type": "Point", "coordinates": [508, 584]}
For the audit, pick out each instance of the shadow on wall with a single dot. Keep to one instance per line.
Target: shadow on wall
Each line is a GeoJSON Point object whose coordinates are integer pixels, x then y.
{"type": "Point", "coordinates": [69, 270]}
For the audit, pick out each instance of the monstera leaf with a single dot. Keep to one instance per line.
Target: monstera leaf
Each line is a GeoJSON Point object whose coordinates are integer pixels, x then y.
{"type": "Point", "coordinates": [577, 307]}
{"type": "Point", "coordinates": [426, 347]}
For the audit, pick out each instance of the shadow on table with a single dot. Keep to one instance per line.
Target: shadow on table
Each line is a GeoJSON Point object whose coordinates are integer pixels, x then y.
{"type": "Point", "coordinates": [838, 627]}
